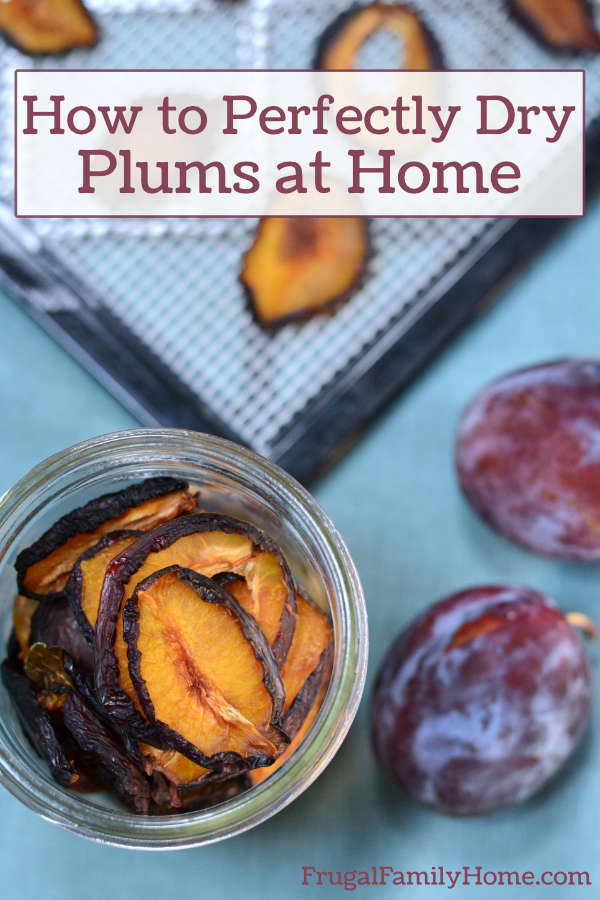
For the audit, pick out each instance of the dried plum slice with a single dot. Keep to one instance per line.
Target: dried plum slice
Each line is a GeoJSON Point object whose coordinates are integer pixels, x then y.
{"type": "Point", "coordinates": [203, 671]}
{"type": "Point", "coordinates": [305, 669]}
{"type": "Point", "coordinates": [44, 567]}
{"type": "Point", "coordinates": [300, 266]}
{"type": "Point", "coordinates": [311, 645]}
{"type": "Point", "coordinates": [301, 714]}
{"type": "Point", "coordinates": [45, 668]}
{"type": "Point", "coordinates": [205, 543]}
{"type": "Point", "coordinates": [168, 798]}
{"type": "Point", "coordinates": [100, 753]}
{"type": "Point", "coordinates": [54, 673]}
{"type": "Point", "coordinates": [14, 653]}
{"type": "Point", "coordinates": [343, 38]}
{"type": "Point", "coordinates": [107, 758]}
{"type": "Point", "coordinates": [566, 25]}
{"type": "Point", "coordinates": [176, 778]}
{"type": "Point", "coordinates": [313, 633]}
{"type": "Point", "coordinates": [23, 610]}
{"type": "Point", "coordinates": [47, 26]}
{"type": "Point", "coordinates": [54, 624]}
{"type": "Point", "coordinates": [304, 700]}
{"type": "Point", "coordinates": [175, 769]}
{"type": "Point", "coordinates": [85, 582]}
{"type": "Point", "coordinates": [204, 551]}
{"type": "Point", "coordinates": [210, 795]}
{"type": "Point", "coordinates": [38, 725]}
{"type": "Point", "coordinates": [305, 676]}
{"type": "Point", "coordinates": [257, 584]}
{"type": "Point", "coordinates": [82, 682]}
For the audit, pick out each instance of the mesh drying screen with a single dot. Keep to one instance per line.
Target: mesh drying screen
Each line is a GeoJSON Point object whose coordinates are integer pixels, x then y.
{"type": "Point", "coordinates": [174, 282]}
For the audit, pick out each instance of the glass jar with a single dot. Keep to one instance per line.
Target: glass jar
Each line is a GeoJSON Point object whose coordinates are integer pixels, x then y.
{"type": "Point", "coordinates": [232, 480]}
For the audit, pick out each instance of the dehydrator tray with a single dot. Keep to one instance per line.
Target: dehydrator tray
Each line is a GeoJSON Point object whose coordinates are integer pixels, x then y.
{"type": "Point", "coordinates": [154, 308]}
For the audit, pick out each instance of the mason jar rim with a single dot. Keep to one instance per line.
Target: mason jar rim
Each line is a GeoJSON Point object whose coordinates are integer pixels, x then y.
{"type": "Point", "coordinates": [189, 829]}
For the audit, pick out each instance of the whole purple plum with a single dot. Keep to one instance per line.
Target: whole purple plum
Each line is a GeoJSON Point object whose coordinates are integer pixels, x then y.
{"type": "Point", "coordinates": [481, 700]}
{"type": "Point", "coordinates": [528, 457]}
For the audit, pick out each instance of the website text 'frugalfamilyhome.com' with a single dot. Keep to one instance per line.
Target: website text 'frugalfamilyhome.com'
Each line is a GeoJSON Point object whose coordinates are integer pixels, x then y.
{"type": "Point", "coordinates": [440, 876]}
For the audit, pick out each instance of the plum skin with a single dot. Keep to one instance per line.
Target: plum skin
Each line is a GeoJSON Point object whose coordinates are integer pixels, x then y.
{"type": "Point", "coordinates": [481, 700]}
{"type": "Point", "coordinates": [528, 457]}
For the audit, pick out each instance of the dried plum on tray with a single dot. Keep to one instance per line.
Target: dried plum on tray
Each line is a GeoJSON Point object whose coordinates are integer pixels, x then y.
{"type": "Point", "coordinates": [47, 26]}
{"type": "Point", "coordinates": [566, 25]}
{"type": "Point", "coordinates": [300, 266]}
{"type": "Point", "coordinates": [343, 38]}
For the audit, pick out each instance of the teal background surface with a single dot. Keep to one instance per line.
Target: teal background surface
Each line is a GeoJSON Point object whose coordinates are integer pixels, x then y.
{"type": "Point", "coordinates": [394, 498]}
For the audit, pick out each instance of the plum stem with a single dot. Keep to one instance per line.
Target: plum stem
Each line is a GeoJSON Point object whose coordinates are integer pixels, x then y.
{"type": "Point", "coordinates": [580, 620]}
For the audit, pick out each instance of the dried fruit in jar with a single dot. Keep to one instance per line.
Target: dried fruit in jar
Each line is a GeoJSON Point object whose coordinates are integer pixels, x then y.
{"type": "Point", "coordinates": [300, 716]}
{"type": "Point", "coordinates": [105, 755]}
{"type": "Point", "coordinates": [143, 675]}
{"type": "Point", "coordinates": [304, 701]}
{"type": "Point", "coordinates": [481, 700]}
{"type": "Point", "coordinates": [44, 666]}
{"type": "Point", "coordinates": [300, 266]}
{"type": "Point", "coordinates": [259, 593]}
{"type": "Point", "coordinates": [309, 656]}
{"type": "Point", "coordinates": [54, 624]}
{"type": "Point", "coordinates": [47, 26]}
{"type": "Point", "coordinates": [44, 567]}
{"type": "Point", "coordinates": [528, 457]}
{"type": "Point", "coordinates": [312, 636]}
{"type": "Point", "coordinates": [343, 39]}
{"type": "Point", "coordinates": [14, 653]}
{"type": "Point", "coordinates": [23, 610]}
{"type": "Point", "coordinates": [37, 711]}
{"type": "Point", "coordinates": [179, 783]}
{"type": "Point", "coordinates": [561, 24]}
{"type": "Point", "coordinates": [38, 726]}
{"type": "Point", "coordinates": [175, 771]}
{"type": "Point", "coordinates": [85, 582]}
{"type": "Point", "coordinates": [203, 671]}
{"type": "Point", "coordinates": [98, 751]}
{"type": "Point", "coordinates": [262, 593]}
{"type": "Point", "coordinates": [203, 796]}
{"type": "Point", "coordinates": [205, 543]}
{"type": "Point", "coordinates": [263, 590]}
{"type": "Point", "coordinates": [305, 673]}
